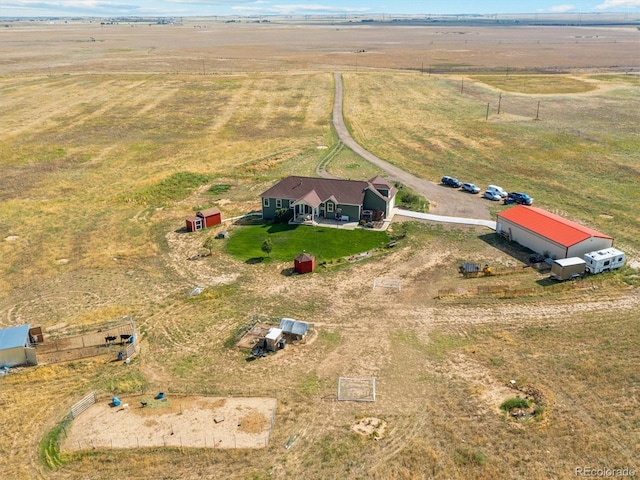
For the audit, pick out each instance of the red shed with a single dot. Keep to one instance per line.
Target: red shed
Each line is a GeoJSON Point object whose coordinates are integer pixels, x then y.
{"type": "Point", "coordinates": [304, 263]}
{"type": "Point", "coordinates": [194, 223]}
{"type": "Point", "coordinates": [204, 219]}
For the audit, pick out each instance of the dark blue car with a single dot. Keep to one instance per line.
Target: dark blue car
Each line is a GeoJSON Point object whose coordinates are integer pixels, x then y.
{"type": "Point", "coordinates": [451, 182]}
{"type": "Point", "coordinates": [519, 198]}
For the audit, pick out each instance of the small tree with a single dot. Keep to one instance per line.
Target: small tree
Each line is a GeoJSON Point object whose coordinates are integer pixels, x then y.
{"type": "Point", "coordinates": [209, 243]}
{"type": "Point", "coordinates": [267, 246]}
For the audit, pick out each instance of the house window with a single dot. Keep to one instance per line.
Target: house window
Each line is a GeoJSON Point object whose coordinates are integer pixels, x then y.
{"type": "Point", "coordinates": [265, 202]}
{"type": "Point", "coordinates": [329, 207]}
{"type": "Point", "coordinates": [278, 203]}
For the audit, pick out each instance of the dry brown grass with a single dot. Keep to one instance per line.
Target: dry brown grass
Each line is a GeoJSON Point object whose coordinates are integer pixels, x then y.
{"type": "Point", "coordinates": [71, 160]}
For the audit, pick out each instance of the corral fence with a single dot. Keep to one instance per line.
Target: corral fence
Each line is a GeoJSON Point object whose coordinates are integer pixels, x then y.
{"type": "Point", "coordinates": [80, 406]}
{"type": "Point", "coordinates": [175, 441]}
{"type": "Point", "coordinates": [115, 338]}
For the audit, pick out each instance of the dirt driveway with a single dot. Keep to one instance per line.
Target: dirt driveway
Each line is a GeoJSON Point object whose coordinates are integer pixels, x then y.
{"type": "Point", "coordinates": [443, 200]}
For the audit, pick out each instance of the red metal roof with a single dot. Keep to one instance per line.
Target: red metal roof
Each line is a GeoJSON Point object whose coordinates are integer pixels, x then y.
{"type": "Point", "coordinates": [557, 229]}
{"type": "Point", "coordinates": [209, 212]}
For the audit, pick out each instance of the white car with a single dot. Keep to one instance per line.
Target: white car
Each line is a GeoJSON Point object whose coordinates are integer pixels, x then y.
{"type": "Point", "coordinates": [491, 195]}
{"type": "Point", "coordinates": [497, 190]}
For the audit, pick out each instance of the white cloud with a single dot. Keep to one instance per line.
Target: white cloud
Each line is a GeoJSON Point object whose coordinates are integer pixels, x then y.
{"type": "Point", "coordinates": [562, 8]}
{"type": "Point", "coordinates": [617, 4]}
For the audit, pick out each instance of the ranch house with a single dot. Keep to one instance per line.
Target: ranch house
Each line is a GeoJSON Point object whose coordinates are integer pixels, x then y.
{"type": "Point", "coordinates": [313, 198]}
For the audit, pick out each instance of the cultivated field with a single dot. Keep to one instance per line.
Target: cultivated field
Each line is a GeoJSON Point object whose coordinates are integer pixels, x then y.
{"type": "Point", "coordinates": [111, 135]}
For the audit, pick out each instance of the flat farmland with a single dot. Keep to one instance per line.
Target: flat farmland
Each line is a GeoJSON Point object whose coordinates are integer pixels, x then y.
{"type": "Point", "coordinates": [112, 134]}
{"type": "Point", "coordinates": [213, 47]}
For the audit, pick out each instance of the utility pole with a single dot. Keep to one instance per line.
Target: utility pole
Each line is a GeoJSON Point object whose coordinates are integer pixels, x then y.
{"type": "Point", "coordinates": [499, 103]}
{"type": "Point", "coordinates": [538, 111]}
{"type": "Point", "coordinates": [486, 117]}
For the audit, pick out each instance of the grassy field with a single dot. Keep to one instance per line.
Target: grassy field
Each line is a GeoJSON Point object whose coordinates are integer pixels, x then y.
{"type": "Point", "coordinates": [578, 159]}
{"type": "Point", "coordinates": [325, 244]}
{"type": "Point", "coordinates": [99, 170]}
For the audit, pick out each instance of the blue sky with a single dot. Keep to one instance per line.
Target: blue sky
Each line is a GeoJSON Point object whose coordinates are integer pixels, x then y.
{"type": "Point", "coordinates": [105, 8]}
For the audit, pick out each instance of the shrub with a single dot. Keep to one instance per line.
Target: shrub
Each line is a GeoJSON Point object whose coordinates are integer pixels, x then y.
{"type": "Point", "coordinates": [466, 456]}
{"type": "Point", "coordinates": [283, 215]}
{"type": "Point", "coordinates": [515, 402]}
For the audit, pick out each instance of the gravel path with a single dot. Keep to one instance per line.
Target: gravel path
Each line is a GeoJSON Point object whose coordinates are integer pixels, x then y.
{"type": "Point", "coordinates": [443, 200]}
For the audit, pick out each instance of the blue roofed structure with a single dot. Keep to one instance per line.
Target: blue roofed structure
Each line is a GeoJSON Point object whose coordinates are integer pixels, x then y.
{"type": "Point", "coordinates": [295, 328]}
{"type": "Point", "coordinates": [15, 346]}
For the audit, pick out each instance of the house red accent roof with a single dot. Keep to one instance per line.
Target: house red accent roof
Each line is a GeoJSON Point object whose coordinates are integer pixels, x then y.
{"type": "Point", "coordinates": [209, 212]}
{"type": "Point", "coordinates": [557, 229]}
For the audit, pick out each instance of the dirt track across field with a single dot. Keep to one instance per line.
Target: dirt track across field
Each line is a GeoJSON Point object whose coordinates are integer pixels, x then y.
{"type": "Point", "coordinates": [443, 201]}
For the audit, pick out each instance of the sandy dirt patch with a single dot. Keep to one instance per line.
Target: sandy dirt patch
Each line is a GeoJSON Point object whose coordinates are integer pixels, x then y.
{"type": "Point", "coordinates": [370, 426]}
{"type": "Point", "coordinates": [202, 422]}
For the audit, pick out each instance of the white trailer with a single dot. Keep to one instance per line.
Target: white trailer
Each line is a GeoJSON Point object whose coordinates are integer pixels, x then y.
{"type": "Point", "coordinates": [604, 260]}
{"type": "Point", "coordinates": [567, 268]}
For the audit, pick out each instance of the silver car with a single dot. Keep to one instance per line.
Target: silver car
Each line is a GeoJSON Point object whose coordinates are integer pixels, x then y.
{"type": "Point", "coordinates": [470, 187]}
{"type": "Point", "coordinates": [492, 196]}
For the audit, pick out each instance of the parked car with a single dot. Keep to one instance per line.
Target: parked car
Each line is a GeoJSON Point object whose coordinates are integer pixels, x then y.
{"type": "Point", "coordinates": [451, 182]}
{"type": "Point", "coordinates": [470, 187]}
{"type": "Point", "coordinates": [492, 196]}
{"type": "Point", "coordinates": [518, 197]}
{"type": "Point", "coordinates": [498, 190]}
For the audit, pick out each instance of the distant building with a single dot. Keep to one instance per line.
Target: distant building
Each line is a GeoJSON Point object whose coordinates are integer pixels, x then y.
{"type": "Point", "coordinates": [549, 234]}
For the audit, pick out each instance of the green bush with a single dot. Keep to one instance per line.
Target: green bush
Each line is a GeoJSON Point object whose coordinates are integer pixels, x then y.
{"type": "Point", "coordinates": [515, 402]}
{"type": "Point", "coordinates": [283, 215]}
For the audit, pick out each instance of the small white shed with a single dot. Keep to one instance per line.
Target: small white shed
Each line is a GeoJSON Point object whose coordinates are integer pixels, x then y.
{"type": "Point", "coordinates": [273, 338]}
{"type": "Point", "coordinates": [15, 347]}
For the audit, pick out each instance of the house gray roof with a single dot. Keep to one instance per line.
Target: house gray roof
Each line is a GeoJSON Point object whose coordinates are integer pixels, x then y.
{"type": "Point", "coordinates": [13, 337]}
{"type": "Point", "coordinates": [346, 192]}
{"type": "Point", "coordinates": [294, 327]}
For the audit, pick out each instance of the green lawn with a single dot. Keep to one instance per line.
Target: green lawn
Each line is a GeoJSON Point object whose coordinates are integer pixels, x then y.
{"type": "Point", "coordinates": [290, 240]}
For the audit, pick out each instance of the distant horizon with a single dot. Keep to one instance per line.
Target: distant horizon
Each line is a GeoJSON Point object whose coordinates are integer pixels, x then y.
{"type": "Point", "coordinates": [274, 8]}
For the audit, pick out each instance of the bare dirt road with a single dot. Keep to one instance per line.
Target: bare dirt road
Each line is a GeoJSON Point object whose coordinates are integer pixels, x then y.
{"type": "Point", "coordinates": [443, 200]}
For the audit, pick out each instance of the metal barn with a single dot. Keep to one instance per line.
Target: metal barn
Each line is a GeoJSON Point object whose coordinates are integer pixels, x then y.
{"type": "Point", "coordinates": [549, 234]}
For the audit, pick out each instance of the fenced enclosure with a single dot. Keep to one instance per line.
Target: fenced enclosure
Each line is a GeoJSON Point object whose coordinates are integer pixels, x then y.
{"type": "Point", "coordinates": [393, 285]}
{"type": "Point", "coordinates": [175, 421]}
{"type": "Point", "coordinates": [117, 338]}
{"type": "Point", "coordinates": [83, 404]}
{"type": "Point", "coordinates": [357, 389]}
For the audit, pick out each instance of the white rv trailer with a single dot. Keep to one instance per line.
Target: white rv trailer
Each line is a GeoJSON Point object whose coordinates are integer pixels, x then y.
{"type": "Point", "coordinates": [604, 260]}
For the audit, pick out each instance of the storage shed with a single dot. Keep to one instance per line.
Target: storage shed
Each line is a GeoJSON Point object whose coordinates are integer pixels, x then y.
{"type": "Point", "coordinates": [549, 234]}
{"type": "Point", "coordinates": [304, 263]}
{"type": "Point", "coordinates": [204, 219]}
{"type": "Point", "coordinates": [293, 329]}
{"type": "Point", "coordinates": [272, 339]}
{"type": "Point", "coordinates": [15, 347]}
